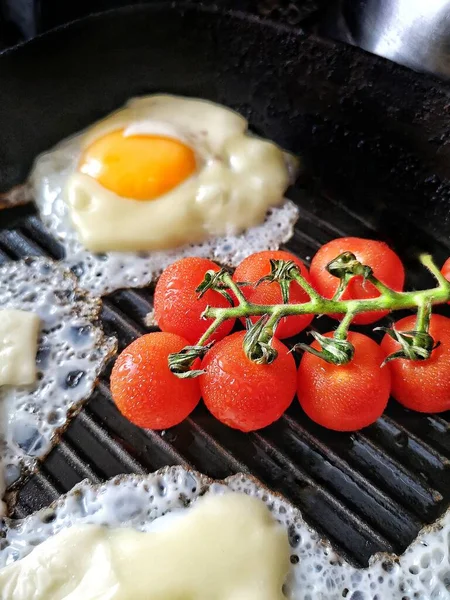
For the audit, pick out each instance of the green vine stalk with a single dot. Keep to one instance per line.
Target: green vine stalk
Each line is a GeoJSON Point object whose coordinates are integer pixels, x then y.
{"type": "Point", "coordinates": [415, 345]}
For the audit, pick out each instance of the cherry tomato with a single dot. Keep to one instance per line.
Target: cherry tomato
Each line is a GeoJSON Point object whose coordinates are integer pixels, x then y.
{"type": "Point", "coordinates": [144, 389]}
{"type": "Point", "coordinates": [241, 393]}
{"type": "Point", "coordinates": [177, 306]}
{"type": "Point", "coordinates": [422, 385]}
{"type": "Point", "coordinates": [252, 268]}
{"type": "Point", "coordinates": [386, 265]}
{"type": "Point", "coordinates": [347, 397]}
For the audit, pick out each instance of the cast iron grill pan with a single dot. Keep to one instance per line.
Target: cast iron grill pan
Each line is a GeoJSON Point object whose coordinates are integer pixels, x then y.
{"type": "Point", "coordinates": [373, 139]}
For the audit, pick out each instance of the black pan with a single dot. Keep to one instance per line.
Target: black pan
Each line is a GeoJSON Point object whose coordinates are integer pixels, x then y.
{"type": "Point", "coordinates": [374, 140]}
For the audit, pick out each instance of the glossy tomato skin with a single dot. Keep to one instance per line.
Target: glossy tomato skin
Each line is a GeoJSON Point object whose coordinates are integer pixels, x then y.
{"type": "Point", "coordinates": [347, 397]}
{"type": "Point", "coordinates": [256, 266]}
{"type": "Point", "coordinates": [386, 265]}
{"type": "Point", "coordinates": [423, 386]}
{"type": "Point", "coordinates": [242, 394]}
{"type": "Point", "coordinates": [144, 389]}
{"type": "Point", "coordinates": [177, 306]}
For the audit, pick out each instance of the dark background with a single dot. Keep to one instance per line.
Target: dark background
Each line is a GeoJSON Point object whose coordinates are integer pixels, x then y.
{"type": "Point", "coordinates": [23, 19]}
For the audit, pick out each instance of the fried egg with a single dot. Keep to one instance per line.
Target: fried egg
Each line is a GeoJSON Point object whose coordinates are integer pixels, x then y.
{"type": "Point", "coordinates": [160, 500]}
{"type": "Point", "coordinates": [71, 352]}
{"type": "Point", "coordinates": [162, 178]}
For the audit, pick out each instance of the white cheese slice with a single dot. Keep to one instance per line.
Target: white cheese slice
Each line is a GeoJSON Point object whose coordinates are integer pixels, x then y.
{"type": "Point", "coordinates": [19, 331]}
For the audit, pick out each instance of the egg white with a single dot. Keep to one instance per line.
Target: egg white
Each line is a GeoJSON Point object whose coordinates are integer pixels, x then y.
{"type": "Point", "coordinates": [72, 351]}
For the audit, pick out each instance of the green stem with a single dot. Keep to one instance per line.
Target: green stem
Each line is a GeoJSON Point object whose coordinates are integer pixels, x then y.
{"type": "Point", "coordinates": [393, 301]}
{"type": "Point", "coordinates": [416, 345]}
{"type": "Point", "coordinates": [427, 261]}
{"type": "Point", "coordinates": [343, 283]}
{"type": "Point", "coordinates": [233, 286]}
{"type": "Point", "coordinates": [383, 289]}
{"type": "Point", "coordinates": [312, 293]}
{"type": "Point", "coordinates": [270, 327]}
{"type": "Point", "coordinates": [342, 330]}
{"type": "Point", "coordinates": [211, 329]}
{"type": "Point", "coordinates": [423, 318]}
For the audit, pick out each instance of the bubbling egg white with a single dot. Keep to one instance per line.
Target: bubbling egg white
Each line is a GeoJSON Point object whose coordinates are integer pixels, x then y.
{"type": "Point", "coordinates": [230, 206]}
{"type": "Point", "coordinates": [72, 351]}
{"type": "Point", "coordinates": [316, 571]}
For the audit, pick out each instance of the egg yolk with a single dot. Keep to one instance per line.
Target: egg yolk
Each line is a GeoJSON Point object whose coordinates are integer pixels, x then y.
{"type": "Point", "coordinates": [141, 167]}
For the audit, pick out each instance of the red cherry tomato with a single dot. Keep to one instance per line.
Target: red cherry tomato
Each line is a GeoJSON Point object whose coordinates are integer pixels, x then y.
{"type": "Point", "coordinates": [347, 397]}
{"type": "Point", "coordinates": [144, 389]}
{"type": "Point", "coordinates": [252, 268]}
{"type": "Point", "coordinates": [177, 306]}
{"type": "Point", "coordinates": [422, 385]}
{"type": "Point", "coordinates": [241, 393]}
{"type": "Point", "coordinates": [386, 265]}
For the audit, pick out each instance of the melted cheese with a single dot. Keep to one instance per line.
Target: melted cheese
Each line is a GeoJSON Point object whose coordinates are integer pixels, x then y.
{"type": "Point", "coordinates": [18, 346]}
{"type": "Point", "coordinates": [224, 548]}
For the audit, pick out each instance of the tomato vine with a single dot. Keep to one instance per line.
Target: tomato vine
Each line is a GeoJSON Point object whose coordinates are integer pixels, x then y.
{"type": "Point", "coordinates": [416, 344]}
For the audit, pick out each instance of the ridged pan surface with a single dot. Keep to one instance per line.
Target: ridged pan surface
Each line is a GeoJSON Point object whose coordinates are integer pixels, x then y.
{"type": "Point", "coordinates": [374, 141]}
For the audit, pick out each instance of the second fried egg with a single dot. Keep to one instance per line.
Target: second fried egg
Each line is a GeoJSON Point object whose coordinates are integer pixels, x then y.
{"type": "Point", "coordinates": [159, 502]}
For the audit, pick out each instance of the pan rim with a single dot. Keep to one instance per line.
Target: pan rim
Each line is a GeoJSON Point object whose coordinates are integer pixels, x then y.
{"type": "Point", "coordinates": [158, 5]}
{"type": "Point", "coordinates": [214, 9]}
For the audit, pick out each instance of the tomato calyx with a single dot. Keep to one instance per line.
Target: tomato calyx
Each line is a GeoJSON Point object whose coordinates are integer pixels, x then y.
{"type": "Point", "coordinates": [416, 344]}
{"type": "Point", "coordinates": [347, 265]}
{"type": "Point", "coordinates": [333, 350]}
{"type": "Point", "coordinates": [214, 280]}
{"type": "Point", "coordinates": [258, 342]}
{"type": "Point", "coordinates": [180, 363]}
{"type": "Point", "coordinates": [283, 272]}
